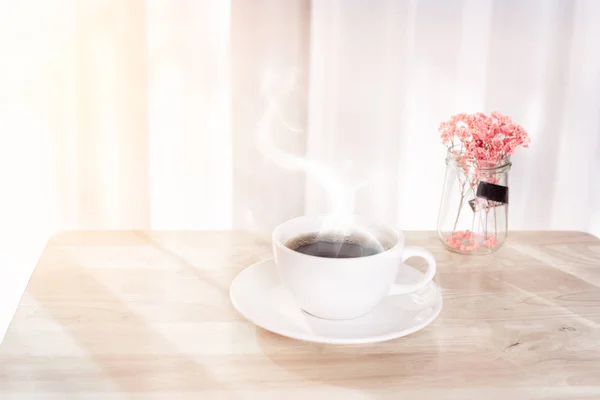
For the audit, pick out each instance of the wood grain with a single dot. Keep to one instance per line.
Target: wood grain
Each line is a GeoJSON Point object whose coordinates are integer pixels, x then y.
{"type": "Point", "coordinates": [119, 315]}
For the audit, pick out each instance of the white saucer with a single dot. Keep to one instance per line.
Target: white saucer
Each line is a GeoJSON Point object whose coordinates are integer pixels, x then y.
{"type": "Point", "coordinates": [259, 296]}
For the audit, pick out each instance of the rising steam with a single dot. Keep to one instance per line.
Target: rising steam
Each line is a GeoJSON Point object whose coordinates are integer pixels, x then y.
{"type": "Point", "coordinates": [340, 193]}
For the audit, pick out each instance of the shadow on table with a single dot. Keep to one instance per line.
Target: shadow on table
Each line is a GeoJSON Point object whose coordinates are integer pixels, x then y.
{"type": "Point", "coordinates": [118, 341]}
{"type": "Point", "coordinates": [377, 365]}
{"type": "Point", "coordinates": [234, 251]}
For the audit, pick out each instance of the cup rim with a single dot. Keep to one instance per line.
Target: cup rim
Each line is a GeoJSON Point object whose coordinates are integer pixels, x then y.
{"type": "Point", "coordinates": [398, 236]}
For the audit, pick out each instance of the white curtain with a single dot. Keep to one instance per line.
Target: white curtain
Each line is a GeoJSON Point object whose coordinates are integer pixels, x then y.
{"type": "Point", "coordinates": [147, 114]}
{"type": "Point", "coordinates": [213, 114]}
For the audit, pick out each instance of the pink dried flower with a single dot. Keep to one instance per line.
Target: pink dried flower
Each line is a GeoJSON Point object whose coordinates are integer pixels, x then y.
{"type": "Point", "coordinates": [463, 241]}
{"type": "Point", "coordinates": [468, 241]}
{"type": "Point", "coordinates": [482, 137]}
{"type": "Point", "coordinates": [490, 242]}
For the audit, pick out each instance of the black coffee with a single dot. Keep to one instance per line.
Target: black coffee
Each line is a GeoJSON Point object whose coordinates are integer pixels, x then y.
{"type": "Point", "coordinates": [334, 245]}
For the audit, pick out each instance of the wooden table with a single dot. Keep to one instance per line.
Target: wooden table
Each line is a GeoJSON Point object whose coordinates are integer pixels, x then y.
{"type": "Point", "coordinates": [119, 315]}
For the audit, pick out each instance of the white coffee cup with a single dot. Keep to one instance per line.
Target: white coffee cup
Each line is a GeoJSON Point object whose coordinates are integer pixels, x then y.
{"type": "Point", "coordinates": [345, 288]}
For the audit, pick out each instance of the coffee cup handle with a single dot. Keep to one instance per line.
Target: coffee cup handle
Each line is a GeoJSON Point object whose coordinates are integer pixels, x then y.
{"type": "Point", "coordinates": [410, 251]}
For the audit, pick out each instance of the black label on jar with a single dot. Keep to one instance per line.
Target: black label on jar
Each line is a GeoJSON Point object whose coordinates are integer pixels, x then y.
{"type": "Point", "coordinates": [493, 192]}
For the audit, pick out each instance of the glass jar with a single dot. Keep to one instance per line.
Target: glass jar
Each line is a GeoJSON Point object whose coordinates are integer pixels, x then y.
{"type": "Point", "coordinates": [473, 215]}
